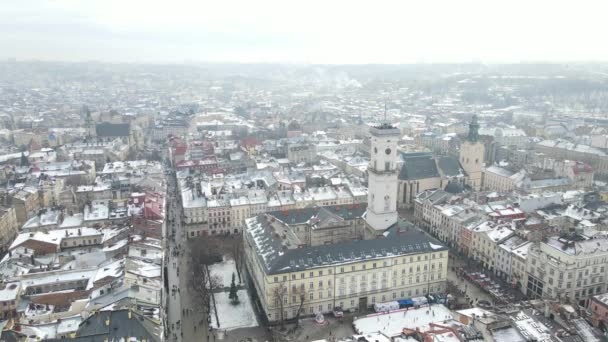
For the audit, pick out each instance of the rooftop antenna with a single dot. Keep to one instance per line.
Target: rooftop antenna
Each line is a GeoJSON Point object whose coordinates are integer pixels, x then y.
{"type": "Point", "coordinates": [385, 120]}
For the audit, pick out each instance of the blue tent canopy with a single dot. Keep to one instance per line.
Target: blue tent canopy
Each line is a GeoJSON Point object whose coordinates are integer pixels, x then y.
{"type": "Point", "coordinates": [406, 302]}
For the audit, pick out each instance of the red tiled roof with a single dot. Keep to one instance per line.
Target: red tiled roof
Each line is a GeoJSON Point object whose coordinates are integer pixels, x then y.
{"type": "Point", "coordinates": [580, 167]}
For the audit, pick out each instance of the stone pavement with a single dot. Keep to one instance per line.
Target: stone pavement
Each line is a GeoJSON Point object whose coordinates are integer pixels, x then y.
{"type": "Point", "coordinates": [193, 324]}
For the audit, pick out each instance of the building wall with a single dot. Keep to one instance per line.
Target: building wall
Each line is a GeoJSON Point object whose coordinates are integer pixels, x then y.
{"type": "Point", "coordinates": [465, 241]}
{"type": "Point", "coordinates": [565, 275]}
{"type": "Point", "coordinates": [472, 161]}
{"type": "Point", "coordinates": [25, 207]}
{"type": "Point", "coordinates": [518, 270]}
{"type": "Point", "coordinates": [8, 306]}
{"type": "Point", "coordinates": [301, 154]}
{"type": "Point", "coordinates": [219, 219]}
{"type": "Point", "coordinates": [409, 189]}
{"type": "Point", "coordinates": [355, 285]}
{"type": "Point", "coordinates": [599, 311]}
{"type": "Point", "coordinates": [239, 214]}
{"type": "Point", "coordinates": [8, 228]}
{"type": "Point", "coordinates": [195, 214]}
{"type": "Point", "coordinates": [81, 241]}
{"type": "Point", "coordinates": [496, 182]}
{"type": "Point", "coordinates": [599, 163]}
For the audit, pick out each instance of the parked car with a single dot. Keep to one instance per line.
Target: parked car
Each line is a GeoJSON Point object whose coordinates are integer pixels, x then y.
{"type": "Point", "coordinates": [338, 313]}
{"type": "Point", "coordinates": [484, 303]}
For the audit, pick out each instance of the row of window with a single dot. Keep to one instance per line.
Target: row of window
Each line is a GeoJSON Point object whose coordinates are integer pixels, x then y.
{"type": "Point", "coordinates": [363, 267]}
{"type": "Point", "coordinates": [363, 283]}
{"type": "Point", "coordinates": [329, 306]}
{"type": "Point", "coordinates": [78, 243]}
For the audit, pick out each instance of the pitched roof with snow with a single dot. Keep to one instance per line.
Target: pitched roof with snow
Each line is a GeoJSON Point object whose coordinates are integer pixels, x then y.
{"type": "Point", "coordinates": [277, 258]}
{"type": "Point", "coordinates": [418, 166]}
{"type": "Point", "coordinates": [112, 130]}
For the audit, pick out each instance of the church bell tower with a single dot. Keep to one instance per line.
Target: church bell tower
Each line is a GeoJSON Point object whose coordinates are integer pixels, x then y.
{"type": "Point", "coordinates": [472, 153]}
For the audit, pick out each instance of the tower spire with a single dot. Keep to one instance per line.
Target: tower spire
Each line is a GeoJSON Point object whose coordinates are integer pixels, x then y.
{"type": "Point", "coordinates": [385, 120]}
{"type": "Point", "coordinates": [473, 130]}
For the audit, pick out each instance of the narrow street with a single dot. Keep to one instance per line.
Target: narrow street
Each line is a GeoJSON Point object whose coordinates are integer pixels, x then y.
{"type": "Point", "coordinates": [186, 321]}
{"type": "Point", "coordinates": [472, 292]}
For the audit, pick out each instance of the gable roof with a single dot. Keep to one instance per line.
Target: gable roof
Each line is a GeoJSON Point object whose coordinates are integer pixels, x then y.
{"type": "Point", "coordinates": [107, 129]}
{"type": "Point", "coordinates": [418, 166]}
{"type": "Point", "coordinates": [277, 260]}
{"type": "Point", "coordinates": [300, 216]}
{"type": "Point", "coordinates": [449, 166]}
{"type": "Point", "coordinates": [120, 327]}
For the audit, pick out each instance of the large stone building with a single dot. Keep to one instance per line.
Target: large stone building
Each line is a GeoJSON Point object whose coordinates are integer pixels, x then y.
{"type": "Point", "coordinates": [26, 203]}
{"type": "Point", "coordinates": [562, 149]}
{"type": "Point", "coordinates": [350, 274]}
{"type": "Point", "coordinates": [422, 171]}
{"type": "Point", "coordinates": [8, 227]}
{"type": "Point", "coordinates": [348, 256]}
{"type": "Point", "coordinates": [496, 178]}
{"type": "Point", "coordinates": [301, 153]}
{"type": "Point", "coordinates": [565, 269]}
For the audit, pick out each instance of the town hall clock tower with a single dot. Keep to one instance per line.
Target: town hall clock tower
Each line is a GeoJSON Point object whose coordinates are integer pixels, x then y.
{"type": "Point", "coordinates": [382, 181]}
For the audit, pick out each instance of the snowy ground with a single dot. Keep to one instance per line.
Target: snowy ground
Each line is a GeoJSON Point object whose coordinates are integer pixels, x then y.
{"type": "Point", "coordinates": [532, 329]}
{"type": "Point", "coordinates": [223, 270]}
{"type": "Point", "coordinates": [234, 316]}
{"type": "Point", "coordinates": [393, 323]}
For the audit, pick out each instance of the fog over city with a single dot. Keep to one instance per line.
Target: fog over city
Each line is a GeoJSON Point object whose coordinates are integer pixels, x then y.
{"type": "Point", "coordinates": [306, 171]}
{"type": "Point", "coordinates": [316, 31]}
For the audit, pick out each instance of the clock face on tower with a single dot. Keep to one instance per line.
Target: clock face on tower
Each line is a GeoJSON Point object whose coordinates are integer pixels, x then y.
{"type": "Point", "coordinates": [387, 151]}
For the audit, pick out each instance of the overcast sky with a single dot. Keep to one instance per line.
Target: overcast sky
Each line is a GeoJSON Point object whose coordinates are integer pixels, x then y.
{"type": "Point", "coordinates": [310, 31]}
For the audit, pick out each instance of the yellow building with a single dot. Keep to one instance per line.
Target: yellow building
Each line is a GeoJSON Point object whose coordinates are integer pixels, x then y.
{"type": "Point", "coordinates": [352, 275]}
{"type": "Point", "coordinates": [8, 227]}
{"type": "Point", "coordinates": [26, 203]}
{"type": "Point", "coordinates": [499, 179]}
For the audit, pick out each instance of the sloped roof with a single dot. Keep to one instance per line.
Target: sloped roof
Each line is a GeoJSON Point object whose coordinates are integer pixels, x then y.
{"type": "Point", "coordinates": [107, 129]}
{"type": "Point", "coordinates": [278, 260]}
{"type": "Point", "coordinates": [299, 216]}
{"type": "Point", "coordinates": [449, 166]}
{"type": "Point", "coordinates": [121, 327]}
{"type": "Point", "coordinates": [418, 166]}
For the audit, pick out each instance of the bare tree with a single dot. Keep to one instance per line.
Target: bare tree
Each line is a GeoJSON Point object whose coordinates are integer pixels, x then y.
{"type": "Point", "coordinates": [302, 296]}
{"type": "Point", "coordinates": [203, 283]}
{"type": "Point", "coordinates": [280, 297]}
{"type": "Point", "coordinates": [237, 255]}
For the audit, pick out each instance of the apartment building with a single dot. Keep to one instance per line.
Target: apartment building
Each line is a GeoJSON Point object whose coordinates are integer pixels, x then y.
{"type": "Point", "coordinates": [486, 238]}
{"type": "Point", "coordinates": [562, 149]}
{"type": "Point", "coordinates": [573, 269]}
{"type": "Point", "coordinates": [8, 227]}
{"type": "Point", "coordinates": [499, 179]}
{"type": "Point", "coordinates": [504, 256]}
{"type": "Point", "coordinates": [26, 203]}
{"type": "Point", "coordinates": [9, 298]}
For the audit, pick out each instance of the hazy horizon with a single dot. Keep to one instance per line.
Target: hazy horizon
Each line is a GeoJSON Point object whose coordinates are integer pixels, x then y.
{"type": "Point", "coordinates": [311, 32]}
